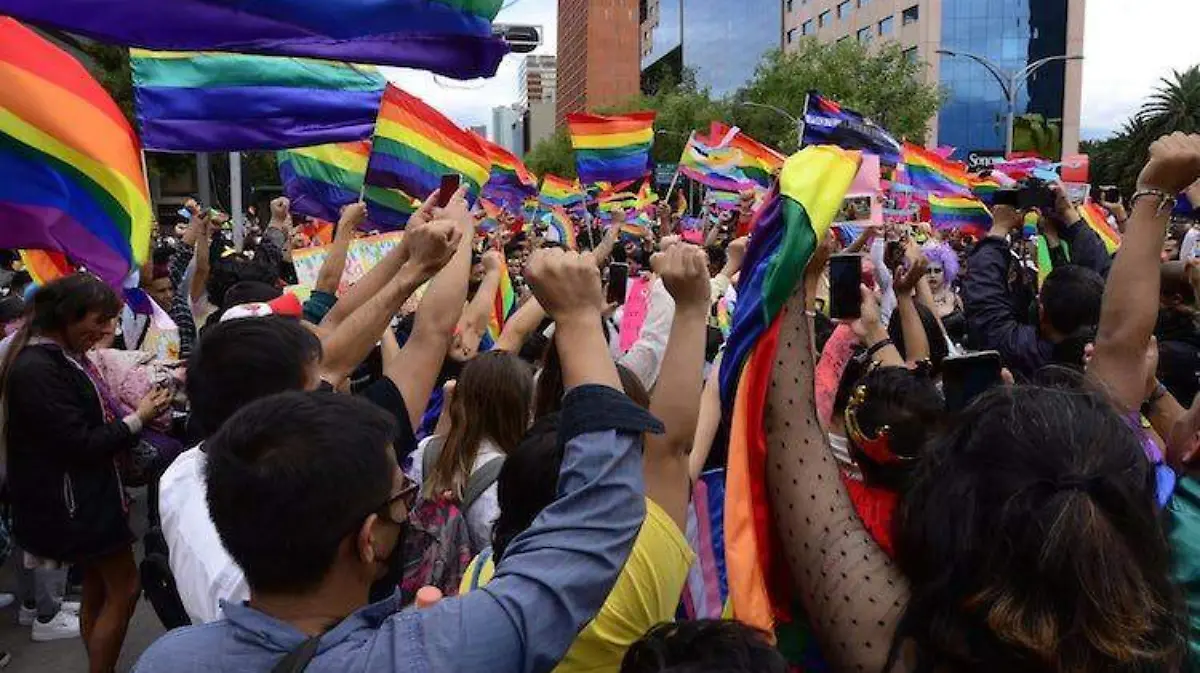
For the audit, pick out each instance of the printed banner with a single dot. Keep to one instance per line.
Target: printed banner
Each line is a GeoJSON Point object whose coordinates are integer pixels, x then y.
{"type": "Point", "coordinates": [363, 255]}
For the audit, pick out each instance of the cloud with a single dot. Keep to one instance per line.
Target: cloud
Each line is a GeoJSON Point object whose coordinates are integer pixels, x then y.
{"type": "Point", "coordinates": [470, 103]}
{"type": "Point", "coordinates": [1128, 48]}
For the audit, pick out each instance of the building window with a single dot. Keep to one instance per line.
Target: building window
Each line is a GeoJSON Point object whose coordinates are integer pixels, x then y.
{"type": "Point", "coordinates": [843, 9]}
{"type": "Point", "coordinates": [865, 34]}
{"type": "Point", "coordinates": [910, 54]}
{"type": "Point", "coordinates": [823, 19]}
{"type": "Point", "coordinates": [807, 28]}
{"type": "Point", "coordinates": [789, 6]}
{"type": "Point", "coordinates": [886, 27]}
{"type": "Point", "coordinates": [791, 36]}
{"type": "Point", "coordinates": [910, 15]}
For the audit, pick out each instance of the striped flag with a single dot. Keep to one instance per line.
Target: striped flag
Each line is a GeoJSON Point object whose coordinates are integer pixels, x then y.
{"type": "Point", "coordinates": [613, 149]}
{"type": "Point", "coordinates": [321, 180]}
{"type": "Point", "coordinates": [1097, 218]}
{"type": "Point", "coordinates": [928, 172]}
{"type": "Point", "coordinates": [959, 213]}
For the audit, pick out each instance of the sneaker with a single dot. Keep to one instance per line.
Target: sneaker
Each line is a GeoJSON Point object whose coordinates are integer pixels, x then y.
{"type": "Point", "coordinates": [26, 616]}
{"type": "Point", "coordinates": [69, 607]}
{"type": "Point", "coordinates": [63, 626]}
{"type": "Point", "coordinates": [7, 600]}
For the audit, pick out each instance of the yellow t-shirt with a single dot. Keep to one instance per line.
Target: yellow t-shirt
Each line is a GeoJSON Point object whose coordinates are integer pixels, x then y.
{"type": "Point", "coordinates": [646, 593]}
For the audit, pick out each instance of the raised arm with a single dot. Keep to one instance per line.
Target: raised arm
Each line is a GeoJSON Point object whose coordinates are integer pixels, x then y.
{"type": "Point", "coordinates": [1085, 246]}
{"type": "Point", "coordinates": [676, 399]}
{"type": "Point", "coordinates": [429, 248]}
{"type": "Point", "coordinates": [604, 248]}
{"type": "Point", "coordinates": [520, 325]}
{"type": "Point", "coordinates": [555, 576]}
{"type": "Point", "coordinates": [199, 284]}
{"type": "Point", "coordinates": [708, 421]}
{"type": "Point", "coordinates": [330, 275]}
{"type": "Point", "coordinates": [856, 599]}
{"type": "Point", "coordinates": [1130, 306]}
{"type": "Point", "coordinates": [474, 319]}
{"type": "Point", "coordinates": [415, 369]}
{"type": "Point", "coordinates": [916, 343]}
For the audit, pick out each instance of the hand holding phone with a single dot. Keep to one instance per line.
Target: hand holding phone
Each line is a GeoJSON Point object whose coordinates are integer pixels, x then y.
{"type": "Point", "coordinates": [966, 377]}
{"type": "Point", "coordinates": [618, 281]}
{"type": "Point", "coordinates": [845, 294]}
{"type": "Point", "coordinates": [446, 190]}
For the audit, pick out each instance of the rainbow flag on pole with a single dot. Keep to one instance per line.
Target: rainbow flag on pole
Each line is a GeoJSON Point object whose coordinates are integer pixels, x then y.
{"type": "Point", "coordinates": [715, 167]}
{"type": "Point", "coordinates": [447, 37]}
{"type": "Point", "coordinates": [757, 161]}
{"type": "Point", "coordinates": [558, 191]}
{"type": "Point", "coordinates": [928, 172]}
{"type": "Point", "coordinates": [321, 180]}
{"type": "Point", "coordinates": [505, 303]}
{"type": "Point", "coordinates": [415, 145]}
{"type": "Point", "coordinates": [612, 149]}
{"type": "Point", "coordinates": [215, 102]}
{"type": "Point", "coordinates": [71, 176]}
{"type": "Point", "coordinates": [1097, 218]}
{"type": "Point", "coordinates": [959, 213]}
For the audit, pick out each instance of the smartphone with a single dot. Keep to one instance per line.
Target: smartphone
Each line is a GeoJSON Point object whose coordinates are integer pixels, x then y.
{"type": "Point", "coordinates": [618, 280]}
{"type": "Point", "coordinates": [1110, 194]}
{"type": "Point", "coordinates": [893, 254]}
{"type": "Point", "coordinates": [966, 377]}
{"type": "Point", "coordinates": [845, 277]}
{"type": "Point", "coordinates": [450, 183]}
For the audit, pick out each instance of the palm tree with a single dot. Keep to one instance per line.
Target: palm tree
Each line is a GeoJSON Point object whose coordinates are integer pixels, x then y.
{"type": "Point", "coordinates": [1174, 106]}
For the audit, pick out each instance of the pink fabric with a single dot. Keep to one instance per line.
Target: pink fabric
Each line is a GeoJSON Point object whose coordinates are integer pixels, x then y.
{"type": "Point", "coordinates": [838, 351]}
{"type": "Point", "coordinates": [130, 375]}
{"type": "Point", "coordinates": [637, 303]}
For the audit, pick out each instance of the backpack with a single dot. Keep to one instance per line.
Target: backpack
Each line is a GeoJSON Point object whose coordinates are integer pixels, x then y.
{"type": "Point", "coordinates": [437, 545]}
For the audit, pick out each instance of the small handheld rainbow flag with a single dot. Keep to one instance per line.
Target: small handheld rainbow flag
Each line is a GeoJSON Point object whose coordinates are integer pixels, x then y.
{"type": "Point", "coordinates": [558, 191]}
{"type": "Point", "coordinates": [757, 161]}
{"type": "Point", "coordinates": [928, 172]}
{"type": "Point", "coordinates": [959, 213]}
{"type": "Point", "coordinates": [561, 221]}
{"type": "Point", "coordinates": [612, 148]}
{"type": "Point", "coordinates": [505, 303]}
{"type": "Point", "coordinates": [715, 167]}
{"type": "Point", "coordinates": [71, 176]}
{"type": "Point", "coordinates": [415, 145]}
{"type": "Point", "coordinates": [1097, 218]}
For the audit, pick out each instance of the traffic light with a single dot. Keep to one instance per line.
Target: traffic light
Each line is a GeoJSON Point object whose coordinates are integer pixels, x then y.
{"type": "Point", "coordinates": [521, 39]}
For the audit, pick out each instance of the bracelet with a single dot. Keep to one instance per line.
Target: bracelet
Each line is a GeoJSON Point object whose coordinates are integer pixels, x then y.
{"type": "Point", "coordinates": [1160, 391]}
{"type": "Point", "coordinates": [1166, 202]}
{"type": "Point", "coordinates": [879, 345]}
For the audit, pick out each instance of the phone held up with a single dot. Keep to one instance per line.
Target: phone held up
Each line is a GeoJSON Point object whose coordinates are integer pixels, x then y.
{"type": "Point", "coordinates": [966, 377]}
{"type": "Point", "coordinates": [845, 277]}
{"type": "Point", "coordinates": [446, 190]}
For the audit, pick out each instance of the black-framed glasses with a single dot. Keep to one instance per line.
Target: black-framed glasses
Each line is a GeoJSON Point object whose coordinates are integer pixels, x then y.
{"type": "Point", "coordinates": [407, 496]}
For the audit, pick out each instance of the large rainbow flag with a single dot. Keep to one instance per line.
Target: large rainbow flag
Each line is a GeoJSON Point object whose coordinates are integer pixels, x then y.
{"type": "Point", "coordinates": [45, 266]}
{"type": "Point", "coordinates": [795, 218]}
{"type": "Point", "coordinates": [928, 172]}
{"type": "Point", "coordinates": [71, 176]}
{"type": "Point", "coordinates": [448, 37]}
{"type": "Point", "coordinates": [959, 213]}
{"type": "Point", "coordinates": [1097, 218]}
{"type": "Point", "coordinates": [321, 180]}
{"type": "Point", "coordinates": [415, 145]}
{"type": "Point", "coordinates": [757, 161]}
{"type": "Point", "coordinates": [509, 182]}
{"type": "Point", "coordinates": [217, 102]}
{"type": "Point", "coordinates": [714, 166]}
{"type": "Point", "coordinates": [612, 149]}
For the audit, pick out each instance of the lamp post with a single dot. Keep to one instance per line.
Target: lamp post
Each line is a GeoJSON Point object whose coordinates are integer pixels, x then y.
{"type": "Point", "coordinates": [798, 123]}
{"type": "Point", "coordinates": [1010, 83]}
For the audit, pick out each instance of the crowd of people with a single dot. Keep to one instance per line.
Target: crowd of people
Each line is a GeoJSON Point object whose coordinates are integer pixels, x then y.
{"type": "Point", "coordinates": [371, 479]}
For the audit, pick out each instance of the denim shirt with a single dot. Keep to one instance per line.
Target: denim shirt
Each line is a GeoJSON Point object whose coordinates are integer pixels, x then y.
{"type": "Point", "coordinates": [552, 580]}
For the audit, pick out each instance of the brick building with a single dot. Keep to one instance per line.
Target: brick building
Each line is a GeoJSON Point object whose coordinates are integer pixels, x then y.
{"type": "Point", "coordinates": [598, 54]}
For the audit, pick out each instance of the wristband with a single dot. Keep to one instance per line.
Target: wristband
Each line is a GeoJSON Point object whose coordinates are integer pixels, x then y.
{"type": "Point", "coordinates": [879, 345]}
{"type": "Point", "coordinates": [1159, 392]}
{"type": "Point", "coordinates": [1166, 202]}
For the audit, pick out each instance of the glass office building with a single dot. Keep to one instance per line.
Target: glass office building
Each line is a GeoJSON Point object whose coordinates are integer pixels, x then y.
{"type": "Point", "coordinates": [1013, 33]}
{"type": "Point", "coordinates": [721, 42]}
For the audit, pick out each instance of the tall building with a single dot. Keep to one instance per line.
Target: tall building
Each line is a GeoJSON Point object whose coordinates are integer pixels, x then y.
{"type": "Point", "coordinates": [538, 79]}
{"type": "Point", "coordinates": [597, 54]}
{"type": "Point", "coordinates": [719, 43]}
{"type": "Point", "coordinates": [1012, 33]}
{"type": "Point", "coordinates": [508, 128]}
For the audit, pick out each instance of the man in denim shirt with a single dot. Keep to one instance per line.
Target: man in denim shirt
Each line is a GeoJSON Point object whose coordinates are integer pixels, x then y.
{"type": "Point", "coordinates": [320, 463]}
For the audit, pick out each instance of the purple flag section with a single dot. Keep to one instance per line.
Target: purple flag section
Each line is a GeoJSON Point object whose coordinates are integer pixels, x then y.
{"type": "Point", "coordinates": [433, 36]}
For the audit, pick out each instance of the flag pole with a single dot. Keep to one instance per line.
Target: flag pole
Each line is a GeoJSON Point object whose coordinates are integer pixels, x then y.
{"type": "Point", "coordinates": [800, 127]}
{"type": "Point", "coordinates": [675, 179]}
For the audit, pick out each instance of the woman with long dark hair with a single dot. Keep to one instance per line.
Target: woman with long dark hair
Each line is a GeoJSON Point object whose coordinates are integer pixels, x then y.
{"type": "Point", "coordinates": [63, 444]}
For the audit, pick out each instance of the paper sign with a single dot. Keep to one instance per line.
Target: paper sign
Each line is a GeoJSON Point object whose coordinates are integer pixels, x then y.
{"type": "Point", "coordinates": [637, 303]}
{"type": "Point", "coordinates": [363, 255]}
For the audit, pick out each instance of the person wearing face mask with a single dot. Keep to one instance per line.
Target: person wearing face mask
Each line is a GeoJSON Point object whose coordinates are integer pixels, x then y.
{"type": "Point", "coordinates": [64, 441]}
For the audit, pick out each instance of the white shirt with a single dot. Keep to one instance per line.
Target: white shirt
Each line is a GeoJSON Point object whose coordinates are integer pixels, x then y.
{"type": "Point", "coordinates": [482, 513]}
{"type": "Point", "coordinates": [204, 573]}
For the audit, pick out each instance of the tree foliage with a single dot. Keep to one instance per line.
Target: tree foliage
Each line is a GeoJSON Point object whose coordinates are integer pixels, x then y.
{"type": "Point", "coordinates": [1174, 106]}
{"type": "Point", "coordinates": [879, 82]}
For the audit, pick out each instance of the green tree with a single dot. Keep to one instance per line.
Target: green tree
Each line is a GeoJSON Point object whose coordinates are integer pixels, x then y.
{"type": "Point", "coordinates": [553, 155]}
{"type": "Point", "coordinates": [1035, 133]}
{"type": "Point", "coordinates": [1175, 105]}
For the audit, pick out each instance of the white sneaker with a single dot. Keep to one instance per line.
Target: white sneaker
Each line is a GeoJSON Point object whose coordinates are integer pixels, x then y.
{"type": "Point", "coordinates": [7, 600]}
{"type": "Point", "coordinates": [26, 616]}
{"type": "Point", "coordinates": [70, 607]}
{"type": "Point", "coordinates": [63, 626]}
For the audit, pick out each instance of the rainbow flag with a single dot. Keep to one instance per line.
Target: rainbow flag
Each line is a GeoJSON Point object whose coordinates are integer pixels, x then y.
{"type": "Point", "coordinates": [561, 222]}
{"type": "Point", "coordinates": [1097, 218]}
{"type": "Point", "coordinates": [795, 218]}
{"type": "Point", "coordinates": [757, 161]}
{"type": "Point", "coordinates": [958, 213]}
{"type": "Point", "coordinates": [415, 145]}
{"type": "Point", "coordinates": [491, 215]}
{"type": "Point", "coordinates": [321, 180]}
{"type": "Point", "coordinates": [505, 303]}
{"type": "Point", "coordinates": [448, 37]}
{"type": "Point", "coordinates": [928, 172]}
{"type": "Point", "coordinates": [723, 200]}
{"type": "Point", "coordinates": [985, 188]}
{"type": "Point", "coordinates": [44, 266]}
{"type": "Point", "coordinates": [715, 167]}
{"type": "Point", "coordinates": [215, 102]}
{"type": "Point", "coordinates": [558, 191]}
{"type": "Point", "coordinates": [71, 176]}
{"type": "Point", "coordinates": [506, 168]}
{"type": "Point", "coordinates": [612, 148]}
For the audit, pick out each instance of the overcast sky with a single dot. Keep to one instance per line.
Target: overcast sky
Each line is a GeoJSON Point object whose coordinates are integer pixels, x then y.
{"type": "Point", "coordinates": [1129, 45]}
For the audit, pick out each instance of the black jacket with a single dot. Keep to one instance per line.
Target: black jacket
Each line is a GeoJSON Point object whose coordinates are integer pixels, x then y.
{"type": "Point", "coordinates": [68, 503]}
{"type": "Point", "coordinates": [1178, 335]}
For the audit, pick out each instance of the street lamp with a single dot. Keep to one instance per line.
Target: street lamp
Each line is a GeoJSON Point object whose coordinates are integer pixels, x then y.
{"type": "Point", "coordinates": [1010, 82]}
{"type": "Point", "coordinates": [798, 123]}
